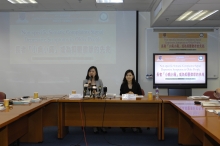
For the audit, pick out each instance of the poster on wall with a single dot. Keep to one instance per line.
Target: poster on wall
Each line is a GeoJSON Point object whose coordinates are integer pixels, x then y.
{"type": "Point", "coordinates": [182, 41]}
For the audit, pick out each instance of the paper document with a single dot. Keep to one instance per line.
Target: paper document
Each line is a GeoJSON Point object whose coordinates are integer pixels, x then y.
{"type": "Point", "coordinates": [217, 111]}
{"type": "Point", "coordinates": [22, 101]}
{"type": "Point", "coordinates": [210, 104]}
{"type": "Point", "coordinates": [128, 96]}
{"type": "Point", "coordinates": [199, 97]}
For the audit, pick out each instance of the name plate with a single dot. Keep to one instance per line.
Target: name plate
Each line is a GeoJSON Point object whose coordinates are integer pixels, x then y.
{"type": "Point", "coordinates": [110, 95]}
{"type": "Point", "coordinates": [128, 96]}
{"type": "Point", "coordinates": [75, 96]}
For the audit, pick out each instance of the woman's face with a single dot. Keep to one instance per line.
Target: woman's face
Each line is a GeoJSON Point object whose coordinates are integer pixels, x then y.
{"type": "Point", "coordinates": [92, 72]}
{"type": "Point", "coordinates": [129, 77]}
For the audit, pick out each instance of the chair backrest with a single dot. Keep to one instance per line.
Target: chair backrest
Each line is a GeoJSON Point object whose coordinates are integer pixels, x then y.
{"type": "Point", "coordinates": [210, 94]}
{"type": "Point", "coordinates": [143, 93]}
{"type": "Point", "coordinates": [2, 96]}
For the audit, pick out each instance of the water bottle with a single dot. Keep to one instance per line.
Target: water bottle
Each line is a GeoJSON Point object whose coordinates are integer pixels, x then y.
{"type": "Point", "coordinates": [157, 93]}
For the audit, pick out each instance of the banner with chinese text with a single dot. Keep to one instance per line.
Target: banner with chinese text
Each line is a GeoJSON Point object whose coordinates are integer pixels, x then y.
{"type": "Point", "coordinates": [182, 41]}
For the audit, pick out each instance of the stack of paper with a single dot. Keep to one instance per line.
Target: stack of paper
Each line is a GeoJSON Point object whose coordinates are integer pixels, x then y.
{"type": "Point", "coordinates": [199, 97]}
{"type": "Point", "coordinates": [22, 101]}
{"type": "Point", "coordinates": [210, 104]}
{"type": "Point", "coordinates": [217, 111]}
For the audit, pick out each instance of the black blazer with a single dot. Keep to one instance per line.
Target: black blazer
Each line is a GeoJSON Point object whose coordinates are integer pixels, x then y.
{"type": "Point", "coordinates": [136, 88]}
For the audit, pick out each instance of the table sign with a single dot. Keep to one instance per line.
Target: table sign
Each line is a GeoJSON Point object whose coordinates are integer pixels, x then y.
{"type": "Point", "coordinates": [128, 96]}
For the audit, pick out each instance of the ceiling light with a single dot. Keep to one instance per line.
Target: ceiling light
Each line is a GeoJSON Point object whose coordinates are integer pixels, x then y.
{"type": "Point", "coordinates": [208, 15]}
{"type": "Point", "coordinates": [184, 15]}
{"type": "Point", "coordinates": [195, 15]}
{"type": "Point", "coordinates": [22, 1]}
{"type": "Point", "coordinates": [109, 1]}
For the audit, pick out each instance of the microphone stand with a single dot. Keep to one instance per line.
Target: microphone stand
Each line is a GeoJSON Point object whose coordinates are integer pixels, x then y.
{"type": "Point", "coordinates": [90, 86]}
{"type": "Point", "coordinates": [85, 89]}
{"type": "Point", "coordinates": [100, 89]}
{"type": "Point", "coordinates": [94, 89]}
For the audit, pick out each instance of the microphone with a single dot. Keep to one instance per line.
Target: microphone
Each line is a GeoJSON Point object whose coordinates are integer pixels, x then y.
{"type": "Point", "coordinates": [100, 89]}
{"type": "Point", "coordinates": [85, 89]}
{"type": "Point", "coordinates": [105, 91]}
{"type": "Point", "coordinates": [94, 89]}
{"type": "Point", "coordinates": [91, 78]}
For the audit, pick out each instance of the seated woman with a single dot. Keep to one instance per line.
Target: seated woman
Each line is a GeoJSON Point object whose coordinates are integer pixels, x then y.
{"type": "Point", "coordinates": [92, 79]}
{"type": "Point", "coordinates": [130, 86]}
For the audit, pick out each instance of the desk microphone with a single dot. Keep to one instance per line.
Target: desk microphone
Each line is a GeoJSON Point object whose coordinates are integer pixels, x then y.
{"type": "Point", "coordinates": [100, 89]}
{"type": "Point", "coordinates": [85, 86]}
{"type": "Point", "coordinates": [105, 91]}
{"type": "Point", "coordinates": [94, 89]}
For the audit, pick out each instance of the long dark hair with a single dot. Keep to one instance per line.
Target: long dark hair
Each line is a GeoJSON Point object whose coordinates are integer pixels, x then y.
{"type": "Point", "coordinates": [96, 76]}
{"type": "Point", "coordinates": [133, 80]}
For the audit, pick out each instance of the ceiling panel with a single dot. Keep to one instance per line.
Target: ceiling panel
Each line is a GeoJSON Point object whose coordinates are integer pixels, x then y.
{"type": "Point", "coordinates": [176, 8]}
{"type": "Point", "coordinates": [183, 24]}
{"type": "Point", "coordinates": [208, 1]}
{"type": "Point", "coordinates": [179, 7]}
{"type": "Point", "coordinates": [185, 1]}
{"type": "Point", "coordinates": [206, 6]}
{"type": "Point", "coordinates": [172, 13]}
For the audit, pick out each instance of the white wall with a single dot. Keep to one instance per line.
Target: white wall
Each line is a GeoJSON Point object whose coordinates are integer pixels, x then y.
{"type": "Point", "coordinates": [147, 84]}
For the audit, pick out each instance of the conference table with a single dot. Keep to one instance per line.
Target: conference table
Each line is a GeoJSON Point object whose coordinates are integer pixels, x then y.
{"type": "Point", "coordinates": [26, 122]}
{"type": "Point", "coordinates": [196, 124]}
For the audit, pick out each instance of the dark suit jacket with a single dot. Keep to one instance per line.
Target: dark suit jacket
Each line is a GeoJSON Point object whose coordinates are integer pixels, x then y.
{"type": "Point", "coordinates": [136, 89]}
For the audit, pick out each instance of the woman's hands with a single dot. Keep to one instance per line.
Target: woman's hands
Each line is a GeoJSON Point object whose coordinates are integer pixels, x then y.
{"type": "Point", "coordinates": [130, 92]}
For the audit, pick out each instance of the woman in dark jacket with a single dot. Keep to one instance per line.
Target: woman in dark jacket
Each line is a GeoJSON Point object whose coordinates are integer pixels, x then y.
{"type": "Point", "coordinates": [130, 86]}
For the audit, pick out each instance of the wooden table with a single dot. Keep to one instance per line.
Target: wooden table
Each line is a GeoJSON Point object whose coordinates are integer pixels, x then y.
{"type": "Point", "coordinates": [22, 121]}
{"type": "Point", "coordinates": [195, 124]}
{"type": "Point", "coordinates": [190, 131]}
{"type": "Point", "coordinates": [26, 122]}
{"type": "Point", "coordinates": [207, 130]}
{"type": "Point", "coordinates": [109, 113]}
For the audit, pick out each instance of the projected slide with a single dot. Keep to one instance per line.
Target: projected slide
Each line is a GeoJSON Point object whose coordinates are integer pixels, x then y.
{"type": "Point", "coordinates": [180, 69]}
{"type": "Point", "coordinates": [63, 38]}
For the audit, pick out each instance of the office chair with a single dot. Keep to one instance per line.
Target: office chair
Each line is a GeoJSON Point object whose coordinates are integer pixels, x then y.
{"type": "Point", "coordinates": [2, 96]}
{"type": "Point", "coordinates": [210, 94]}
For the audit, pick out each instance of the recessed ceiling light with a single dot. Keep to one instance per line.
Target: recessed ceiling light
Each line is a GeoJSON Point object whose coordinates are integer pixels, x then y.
{"type": "Point", "coordinates": [22, 1]}
{"type": "Point", "coordinates": [195, 15]}
{"type": "Point", "coordinates": [109, 1]}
